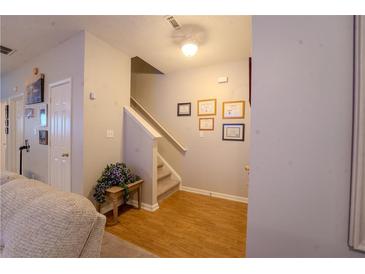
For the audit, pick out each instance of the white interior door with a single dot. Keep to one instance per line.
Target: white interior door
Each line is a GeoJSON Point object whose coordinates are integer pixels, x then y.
{"type": "Point", "coordinates": [60, 135]}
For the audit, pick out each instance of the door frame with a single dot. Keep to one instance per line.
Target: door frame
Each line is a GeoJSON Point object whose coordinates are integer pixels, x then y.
{"type": "Point", "coordinates": [50, 86]}
{"type": "Point", "coordinates": [11, 149]}
{"type": "Point", "coordinates": [357, 211]}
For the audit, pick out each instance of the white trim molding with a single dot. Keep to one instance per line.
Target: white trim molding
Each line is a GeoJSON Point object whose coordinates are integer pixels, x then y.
{"type": "Point", "coordinates": [215, 194]}
{"type": "Point", "coordinates": [357, 217]}
{"type": "Point", "coordinates": [144, 206]}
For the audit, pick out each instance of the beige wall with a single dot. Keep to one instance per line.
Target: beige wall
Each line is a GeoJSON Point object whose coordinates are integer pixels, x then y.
{"type": "Point", "coordinates": [107, 74]}
{"type": "Point", "coordinates": [210, 163]}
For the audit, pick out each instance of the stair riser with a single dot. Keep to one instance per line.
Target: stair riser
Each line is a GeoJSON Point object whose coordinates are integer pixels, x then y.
{"type": "Point", "coordinates": [168, 193]}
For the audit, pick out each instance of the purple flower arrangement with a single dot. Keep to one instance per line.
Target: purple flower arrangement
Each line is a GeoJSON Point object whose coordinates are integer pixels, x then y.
{"type": "Point", "coordinates": [117, 174]}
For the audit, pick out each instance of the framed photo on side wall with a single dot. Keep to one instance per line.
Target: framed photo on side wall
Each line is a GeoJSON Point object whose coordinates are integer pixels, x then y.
{"type": "Point", "coordinates": [233, 132]}
{"type": "Point", "coordinates": [233, 110]}
{"type": "Point", "coordinates": [207, 107]}
{"type": "Point", "coordinates": [184, 109]}
{"type": "Point", "coordinates": [206, 123]}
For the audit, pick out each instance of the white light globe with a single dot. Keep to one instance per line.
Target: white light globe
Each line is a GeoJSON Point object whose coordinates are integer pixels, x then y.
{"type": "Point", "coordinates": [189, 49]}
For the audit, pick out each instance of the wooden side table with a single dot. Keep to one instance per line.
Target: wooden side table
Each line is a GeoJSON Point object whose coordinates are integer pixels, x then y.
{"type": "Point", "coordinates": [115, 194]}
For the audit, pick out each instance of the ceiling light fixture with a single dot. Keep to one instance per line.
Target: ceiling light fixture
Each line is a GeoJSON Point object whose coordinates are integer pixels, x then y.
{"type": "Point", "coordinates": [189, 49]}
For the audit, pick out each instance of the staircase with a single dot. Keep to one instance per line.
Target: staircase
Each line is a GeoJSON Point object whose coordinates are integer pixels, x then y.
{"type": "Point", "coordinates": [168, 182]}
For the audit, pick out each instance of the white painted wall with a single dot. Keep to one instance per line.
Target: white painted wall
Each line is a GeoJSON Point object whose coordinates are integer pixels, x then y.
{"type": "Point", "coordinates": [210, 163]}
{"type": "Point", "coordinates": [140, 154]}
{"type": "Point", "coordinates": [64, 61]}
{"type": "Point", "coordinates": [107, 74]}
{"type": "Point", "coordinates": [301, 137]}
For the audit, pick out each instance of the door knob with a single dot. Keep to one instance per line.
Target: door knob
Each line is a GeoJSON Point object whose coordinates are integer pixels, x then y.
{"type": "Point", "coordinates": [65, 155]}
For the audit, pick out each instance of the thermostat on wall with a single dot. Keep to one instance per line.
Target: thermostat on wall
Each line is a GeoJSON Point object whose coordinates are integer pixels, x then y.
{"type": "Point", "coordinates": [223, 79]}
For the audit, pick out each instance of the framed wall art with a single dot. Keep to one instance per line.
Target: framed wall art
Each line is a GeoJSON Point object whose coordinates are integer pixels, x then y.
{"type": "Point", "coordinates": [184, 109]}
{"type": "Point", "coordinates": [207, 107]}
{"type": "Point", "coordinates": [233, 132]}
{"type": "Point", "coordinates": [43, 137]}
{"type": "Point", "coordinates": [43, 115]}
{"type": "Point", "coordinates": [233, 110]}
{"type": "Point", "coordinates": [206, 123]}
{"type": "Point", "coordinates": [34, 92]}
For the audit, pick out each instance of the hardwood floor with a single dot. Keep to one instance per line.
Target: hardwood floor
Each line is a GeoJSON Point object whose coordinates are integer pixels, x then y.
{"type": "Point", "coordinates": [186, 225]}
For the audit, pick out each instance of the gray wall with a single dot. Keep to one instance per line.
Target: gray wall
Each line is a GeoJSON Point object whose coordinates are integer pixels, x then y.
{"type": "Point", "coordinates": [107, 74]}
{"type": "Point", "coordinates": [64, 61]}
{"type": "Point", "coordinates": [301, 137]}
{"type": "Point", "coordinates": [220, 169]}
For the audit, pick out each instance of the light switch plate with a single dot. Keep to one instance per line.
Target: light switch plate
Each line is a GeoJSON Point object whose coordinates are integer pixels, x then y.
{"type": "Point", "coordinates": [110, 133]}
{"type": "Point", "coordinates": [92, 96]}
{"type": "Point", "coordinates": [201, 134]}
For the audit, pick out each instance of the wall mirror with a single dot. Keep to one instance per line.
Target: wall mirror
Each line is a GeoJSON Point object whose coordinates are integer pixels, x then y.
{"type": "Point", "coordinates": [357, 213]}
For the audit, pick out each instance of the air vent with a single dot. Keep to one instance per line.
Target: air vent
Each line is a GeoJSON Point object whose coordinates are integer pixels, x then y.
{"type": "Point", "coordinates": [6, 51]}
{"type": "Point", "coordinates": [173, 22]}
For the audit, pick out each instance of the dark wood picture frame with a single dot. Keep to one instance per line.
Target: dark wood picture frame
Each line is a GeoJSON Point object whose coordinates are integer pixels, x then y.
{"type": "Point", "coordinates": [34, 92]}
{"type": "Point", "coordinates": [224, 138]}
{"type": "Point", "coordinates": [183, 114]}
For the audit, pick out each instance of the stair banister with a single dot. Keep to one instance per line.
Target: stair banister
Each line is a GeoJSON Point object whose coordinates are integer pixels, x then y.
{"type": "Point", "coordinates": [159, 127]}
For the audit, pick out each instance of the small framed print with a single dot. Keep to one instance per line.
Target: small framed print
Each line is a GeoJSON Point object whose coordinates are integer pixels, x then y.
{"type": "Point", "coordinates": [206, 123]}
{"type": "Point", "coordinates": [233, 132]}
{"type": "Point", "coordinates": [207, 107]}
{"type": "Point", "coordinates": [43, 137]}
{"type": "Point", "coordinates": [233, 110]}
{"type": "Point", "coordinates": [184, 109]}
{"type": "Point", "coordinates": [43, 113]}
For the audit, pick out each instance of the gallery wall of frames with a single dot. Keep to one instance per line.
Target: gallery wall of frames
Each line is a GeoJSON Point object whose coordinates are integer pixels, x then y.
{"type": "Point", "coordinates": [232, 112]}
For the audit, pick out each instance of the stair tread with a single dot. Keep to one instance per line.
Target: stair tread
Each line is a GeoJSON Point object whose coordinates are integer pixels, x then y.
{"type": "Point", "coordinates": [165, 185]}
{"type": "Point", "coordinates": [161, 174]}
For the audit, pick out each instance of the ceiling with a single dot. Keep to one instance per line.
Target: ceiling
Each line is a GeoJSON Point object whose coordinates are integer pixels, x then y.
{"type": "Point", "coordinates": [221, 38]}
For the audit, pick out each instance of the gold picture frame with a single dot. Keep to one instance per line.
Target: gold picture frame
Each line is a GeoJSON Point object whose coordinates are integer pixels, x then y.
{"type": "Point", "coordinates": [206, 124]}
{"type": "Point", "coordinates": [233, 109]}
{"type": "Point", "coordinates": [207, 107]}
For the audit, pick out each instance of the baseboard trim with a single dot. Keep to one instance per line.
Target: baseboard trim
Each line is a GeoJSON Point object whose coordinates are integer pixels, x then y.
{"type": "Point", "coordinates": [144, 206]}
{"type": "Point", "coordinates": [215, 194]}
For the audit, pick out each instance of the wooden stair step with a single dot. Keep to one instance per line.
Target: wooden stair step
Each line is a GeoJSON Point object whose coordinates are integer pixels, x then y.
{"type": "Point", "coordinates": [165, 185]}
